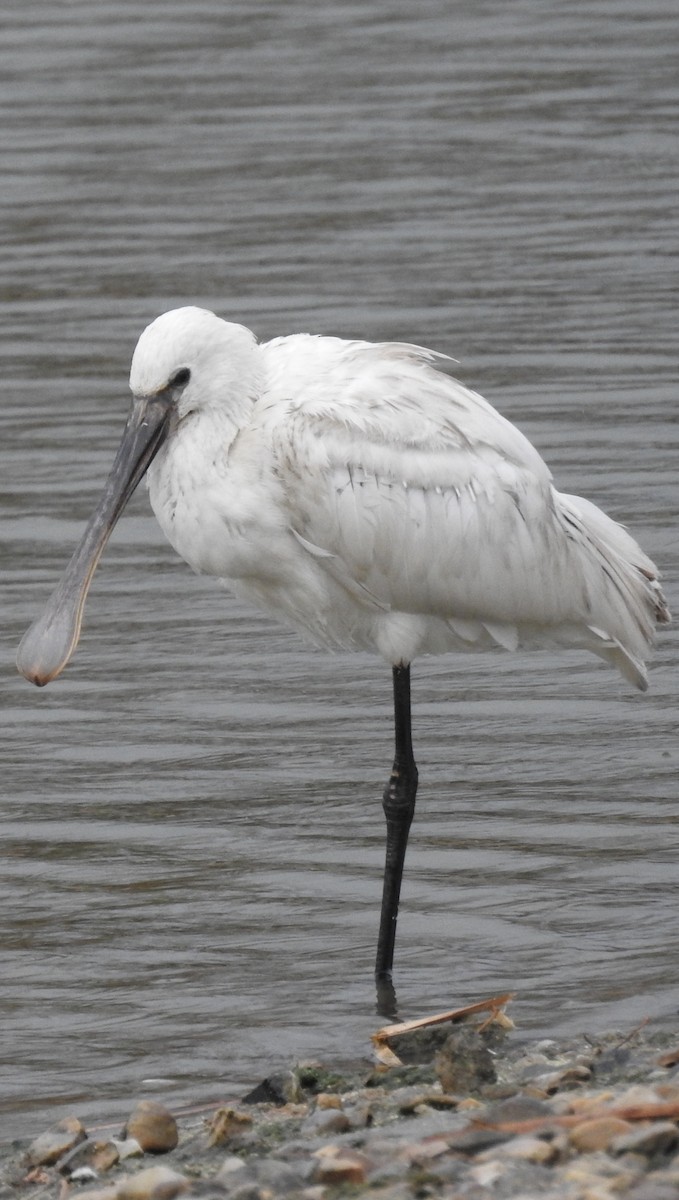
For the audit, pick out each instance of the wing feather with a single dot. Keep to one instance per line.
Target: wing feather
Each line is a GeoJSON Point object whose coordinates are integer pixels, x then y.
{"type": "Point", "coordinates": [417, 496]}
{"type": "Point", "coordinates": [425, 494]}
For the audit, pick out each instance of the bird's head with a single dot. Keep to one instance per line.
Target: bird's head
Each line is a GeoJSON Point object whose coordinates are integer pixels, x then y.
{"type": "Point", "coordinates": [185, 360]}
{"type": "Point", "coordinates": [193, 359]}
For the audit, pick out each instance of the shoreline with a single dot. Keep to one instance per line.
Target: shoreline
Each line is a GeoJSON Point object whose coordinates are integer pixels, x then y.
{"type": "Point", "coordinates": [464, 1110]}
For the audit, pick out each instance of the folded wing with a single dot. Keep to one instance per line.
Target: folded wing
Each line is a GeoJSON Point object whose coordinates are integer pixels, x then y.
{"type": "Point", "coordinates": [417, 496]}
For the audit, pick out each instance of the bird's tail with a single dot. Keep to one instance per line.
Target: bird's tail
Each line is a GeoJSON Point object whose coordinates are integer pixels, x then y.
{"type": "Point", "coordinates": [625, 600]}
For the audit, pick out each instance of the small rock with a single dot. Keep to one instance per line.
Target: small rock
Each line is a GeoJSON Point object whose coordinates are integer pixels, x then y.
{"type": "Point", "coordinates": [591, 1100]}
{"type": "Point", "coordinates": [155, 1183]}
{"type": "Point", "coordinates": [545, 1047]}
{"type": "Point", "coordinates": [420, 1100]}
{"type": "Point", "coordinates": [110, 1192]}
{"type": "Point", "coordinates": [248, 1191]}
{"type": "Point", "coordinates": [90, 1155]}
{"type": "Point", "coordinates": [153, 1127]}
{"type": "Point", "coordinates": [277, 1177]}
{"type": "Point", "coordinates": [532, 1063]}
{"type": "Point", "coordinates": [474, 1139]}
{"type": "Point", "coordinates": [636, 1096]}
{"type": "Point", "coordinates": [562, 1146]}
{"type": "Point", "coordinates": [531, 1149]}
{"type": "Point", "coordinates": [587, 1181]}
{"type": "Point", "coordinates": [227, 1125]}
{"type": "Point", "coordinates": [487, 1174]}
{"type": "Point", "coordinates": [613, 1061]}
{"type": "Point", "coordinates": [359, 1116]}
{"type": "Point", "coordinates": [660, 1137]}
{"type": "Point", "coordinates": [386, 1179]}
{"type": "Point", "coordinates": [104, 1156]}
{"type": "Point", "coordinates": [669, 1058]}
{"type": "Point", "coordinates": [561, 1081]}
{"type": "Point", "coordinates": [232, 1171]}
{"type": "Point", "coordinates": [420, 1045]}
{"type": "Point", "coordinates": [49, 1146]}
{"type": "Point", "coordinates": [127, 1147]}
{"type": "Point", "coordinates": [464, 1063]}
{"type": "Point", "coordinates": [313, 1077]}
{"type": "Point", "coordinates": [597, 1134]}
{"type": "Point", "coordinates": [285, 1088]}
{"type": "Point", "coordinates": [621, 1182]}
{"type": "Point", "coordinates": [326, 1121]}
{"type": "Point", "coordinates": [341, 1166]}
{"type": "Point", "coordinates": [328, 1100]}
{"type": "Point", "coordinates": [424, 1151]}
{"type": "Point", "coordinates": [408, 1099]}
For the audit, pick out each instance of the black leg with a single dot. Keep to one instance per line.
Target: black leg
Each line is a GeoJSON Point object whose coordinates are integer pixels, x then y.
{"type": "Point", "coordinates": [399, 805]}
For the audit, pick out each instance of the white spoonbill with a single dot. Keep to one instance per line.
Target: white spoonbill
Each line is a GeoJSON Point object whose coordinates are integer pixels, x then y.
{"type": "Point", "coordinates": [362, 495]}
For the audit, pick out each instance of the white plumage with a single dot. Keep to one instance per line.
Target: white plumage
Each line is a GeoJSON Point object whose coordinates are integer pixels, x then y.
{"type": "Point", "coordinates": [372, 501]}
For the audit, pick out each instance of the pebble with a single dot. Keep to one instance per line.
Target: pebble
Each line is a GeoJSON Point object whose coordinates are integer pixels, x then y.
{"type": "Point", "coordinates": [232, 1169]}
{"type": "Point", "coordinates": [660, 1137]}
{"type": "Point", "coordinates": [468, 1103]}
{"type": "Point", "coordinates": [532, 1149]}
{"type": "Point", "coordinates": [127, 1147]}
{"type": "Point", "coordinates": [326, 1121]}
{"type": "Point", "coordinates": [487, 1174]}
{"type": "Point", "coordinates": [359, 1115]}
{"type": "Point", "coordinates": [560, 1081]}
{"type": "Point", "coordinates": [464, 1063]}
{"type": "Point", "coordinates": [153, 1127]}
{"type": "Point", "coordinates": [638, 1094]}
{"type": "Point", "coordinates": [277, 1177]}
{"type": "Point", "coordinates": [424, 1151]}
{"type": "Point", "coordinates": [403, 1137]}
{"type": "Point", "coordinates": [590, 1100]}
{"type": "Point", "coordinates": [49, 1146]}
{"type": "Point", "coordinates": [227, 1125]}
{"type": "Point", "coordinates": [597, 1134]}
{"type": "Point", "coordinates": [337, 1166]}
{"type": "Point", "coordinates": [155, 1183]}
{"type": "Point", "coordinates": [281, 1089]}
{"type": "Point", "coordinates": [96, 1156]}
{"type": "Point", "coordinates": [109, 1192]}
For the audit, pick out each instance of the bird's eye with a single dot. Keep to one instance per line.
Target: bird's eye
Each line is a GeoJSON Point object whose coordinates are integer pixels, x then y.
{"type": "Point", "coordinates": [181, 378]}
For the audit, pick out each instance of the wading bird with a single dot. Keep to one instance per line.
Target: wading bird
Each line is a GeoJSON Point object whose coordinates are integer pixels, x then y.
{"type": "Point", "coordinates": [361, 494]}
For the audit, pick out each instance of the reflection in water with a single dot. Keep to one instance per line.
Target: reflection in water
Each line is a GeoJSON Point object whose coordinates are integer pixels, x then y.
{"type": "Point", "coordinates": [387, 1003]}
{"type": "Point", "coordinates": [191, 824]}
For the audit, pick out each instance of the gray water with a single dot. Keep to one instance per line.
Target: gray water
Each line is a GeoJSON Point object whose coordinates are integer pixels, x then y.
{"type": "Point", "coordinates": [191, 821]}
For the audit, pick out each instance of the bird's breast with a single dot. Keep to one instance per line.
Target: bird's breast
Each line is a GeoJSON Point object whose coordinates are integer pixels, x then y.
{"type": "Point", "coordinates": [214, 505]}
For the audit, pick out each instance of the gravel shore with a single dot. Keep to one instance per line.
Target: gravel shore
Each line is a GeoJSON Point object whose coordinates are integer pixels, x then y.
{"type": "Point", "coordinates": [471, 1112]}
